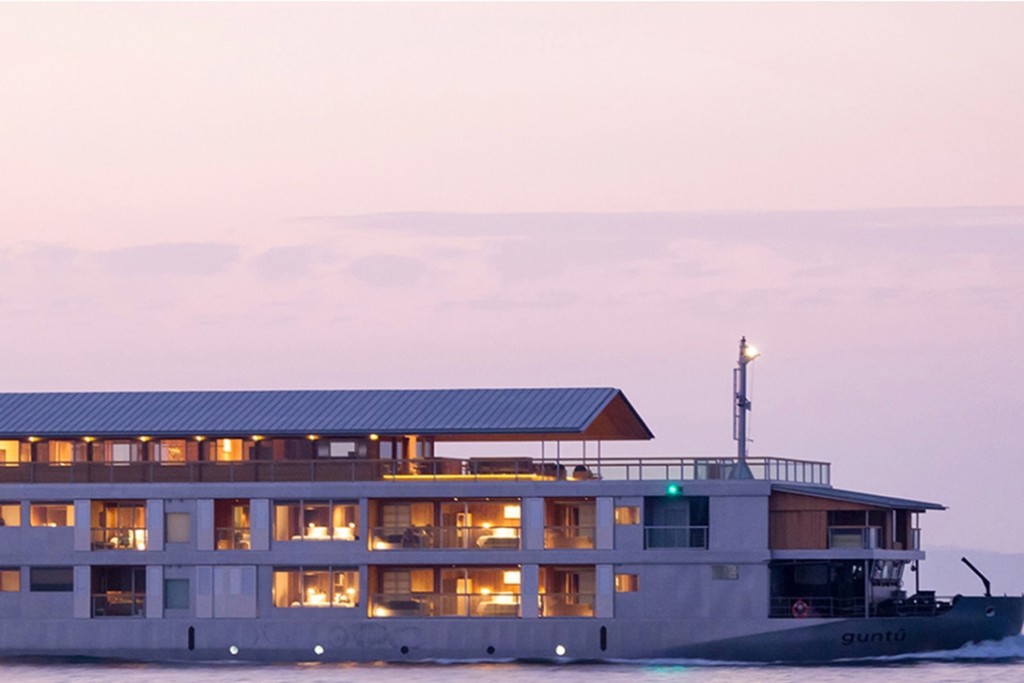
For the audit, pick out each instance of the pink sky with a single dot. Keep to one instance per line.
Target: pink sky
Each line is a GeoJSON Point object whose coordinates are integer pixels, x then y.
{"type": "Point", "coordinates": [339, 195]}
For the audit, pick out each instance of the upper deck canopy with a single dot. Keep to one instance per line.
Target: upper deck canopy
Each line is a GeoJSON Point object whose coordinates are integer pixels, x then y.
{"type": "Point", "coordinates": [869, 499]}
{"type": "Point", "coordinates": [444, 414]}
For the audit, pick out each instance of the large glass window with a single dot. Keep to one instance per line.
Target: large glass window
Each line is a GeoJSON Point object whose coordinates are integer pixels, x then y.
{"type": "Point", "coordinates": [446, 592]}
{"type": "Point", "coordinates": [60, 452]}
{"type": "Point", "coordinates": [316, 587]}
{"type": "Point", "coordinates": [14, 452]}
{"type": "Point", "coordinates": [118, 524]}
{"type": "Point", "coordinates": [227, 450]}
{"type": "Point", "coordinates": [570, 523]}
{"type": "Point", "coordinates": [172, 451]}
{"type": "Point", "coordinates": [469, 523]}
{"type": "Point", "coordinates": [327, 448]}
{"type": "Point", "coordinates": [231, 519]}
{"type": "Point", "coordinates": [676, 521]}
{"type": "Point", "coordinates": [52, 514]}
{"type": "Point", "coordinates": [817, 588]}
{"type": "Point", "coordinates": [567, 591]}
{"type": "Point", "coordinates": [118, 591]}
{"type": "Point", "coordinates": [313, 520]}
{"type": "Point", "coordinates": [117, 452]}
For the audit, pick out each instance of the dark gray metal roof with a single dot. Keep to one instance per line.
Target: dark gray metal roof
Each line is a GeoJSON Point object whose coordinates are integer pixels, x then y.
{"type": "Point", "coordinates": [857, 497]}
{"type": "Point", "coordinates": [430, 412]}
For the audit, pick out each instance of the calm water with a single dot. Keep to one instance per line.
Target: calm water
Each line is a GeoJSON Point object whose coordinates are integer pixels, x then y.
{"type": "Point", "coordinates": [989, 662]}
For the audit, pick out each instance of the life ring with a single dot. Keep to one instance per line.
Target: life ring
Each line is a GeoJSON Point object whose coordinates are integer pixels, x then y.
{"type": "Point", "coordinates": [801, 609]}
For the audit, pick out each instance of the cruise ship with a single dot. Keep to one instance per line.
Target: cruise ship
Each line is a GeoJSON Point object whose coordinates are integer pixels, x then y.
{"type": "Point", "coordinates": [328, 526]}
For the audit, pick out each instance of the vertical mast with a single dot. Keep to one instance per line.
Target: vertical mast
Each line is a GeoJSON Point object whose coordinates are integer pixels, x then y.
{"type": "Point", "coordinates": [740, 409]}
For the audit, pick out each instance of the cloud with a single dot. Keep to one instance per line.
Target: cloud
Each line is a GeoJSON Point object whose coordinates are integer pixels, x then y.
{"type": "Point", "coordinates": [388, 270]}
{"type": "Point", "coordinates": [289, 262]}
{"type": "Point", "coordinates": [182, 258]}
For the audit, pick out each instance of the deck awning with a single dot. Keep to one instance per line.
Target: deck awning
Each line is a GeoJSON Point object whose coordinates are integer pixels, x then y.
{"type": "Point", "coordinates": [857, 497]}
{"type": "Point", "coordinates": [444, 414]}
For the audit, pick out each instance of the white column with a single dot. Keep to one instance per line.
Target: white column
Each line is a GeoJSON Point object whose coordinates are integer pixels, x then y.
{"type": "Point", "coordinates": [604, 606]}
{"type": "Point", "coordinates": [83, 592]}
{"type": "Point", "coordinates": [154, 525]}
{"type": "Point", "coordinates": [605, 522]}
{"type": "Point", "coordinates": [204, 525]}
{"type": "Point", "coordinates": [529, 585]}
{"type": "Point", "coordinates": [533, 523]}
{"type": "Point", "coordinates": [259, 522]}
{"type": "Point", "coordinates": [83, 525]}
{"type": "Point", "coordinates": [155, 591]}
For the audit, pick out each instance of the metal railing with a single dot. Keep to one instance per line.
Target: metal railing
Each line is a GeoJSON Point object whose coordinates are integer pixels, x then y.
{"type": "Point", "coordinates": [675, 537]}
{"type": "Point", "coordinates": [119, 538]}
{"type": "Point", "coordinates": [800, 607]}
{"type": "Point", "coordinates": [445, 537]}
{"type": "Point", "coordinates": [566, 604]}
{"type": "Point", "coordinates": [856, 537]}
{"type": "Point", "coordinates": [482, 604]}
{"type": "Point", "coordinates": [233, 538]}
{"type": "Point", "coordinates": [565, 537]}
{"type": "Point", "coordinates": [426, 469]}
{"type": "Point", "coordinates": [115, 604]}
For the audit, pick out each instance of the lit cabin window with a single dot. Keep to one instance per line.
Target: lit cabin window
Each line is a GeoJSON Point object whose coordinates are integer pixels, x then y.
{"type": "Point", "coordinates": [627, 514]}
{"type": "Point", "coordinates": [340, 449]}
{"type": "Point", "coordinates": [175, 451]}
{"type": "Point", "coordinates": [231, 522]}
{"type": "Point", "coordinates": [316, 587]}
{"type": "Point", "coordinates": [316, 520]}
{"type": "Point", "coordinates": [227, 450]}
{"type": "Point", "coordinates": [10, 514]}
{"type": "Point", "coordinates": [627, 583]}
{"type": "Point", "coordinates": [52, 514]}
{"type": "Point", "coordinates": [14, 452]}
{"type": "Point", "coordinates": [58, 452]}
{"type": "Point", "coordinates": [10, 580]}
{"type": "Point", "coordinates": [118, 524]}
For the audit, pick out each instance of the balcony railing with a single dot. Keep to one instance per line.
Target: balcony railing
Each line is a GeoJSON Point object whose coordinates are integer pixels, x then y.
{"type": "Point", "coordinates": [426, 469]}
{"type": "Point", "coordinates": [233, 538]}
{"type": "Point", "coordinates": [118, 538]}
{"type": "Point", "coordinates": [444, 537]}
{"type": "Point", "coordinates": [566, 604]}
{"type": "Point", "coordinates": [566, 537]}
{"type": "Point", "coordinates": [117, 604]}
{"type": "Point", "coordinates": [801, 607]}
{"type": "Point", "coordinates": [481, 604]}
{"type": "Point", "coordinates": [923, 604]}
{"type": "Point", "coordinates": [856, 537]}
{"type": "Point", "coordinates": [675, 537]}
